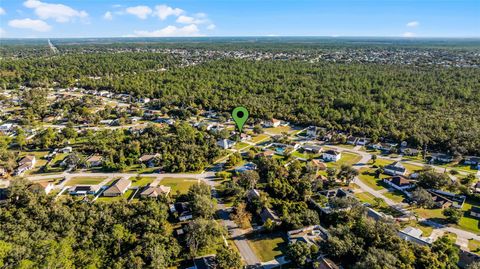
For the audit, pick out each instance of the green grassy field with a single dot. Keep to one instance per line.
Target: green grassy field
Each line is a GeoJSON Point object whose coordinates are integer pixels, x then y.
{"type": "Point", "coordinates": [267, 246]}
{"type": "Point", "coordinates": [395, 196]}
{"type": "Point", "coordinates": [429, 213]}
{"type": "Point", "coordinates": [279, 130]}
{"type": "Point", "coordinates": [367, 176]}
{"type": "Point", "coordinates": [347, 158]}
{"type": "Point", "coordinates": [259, 137]}
{"type": "Point", "coordinates": [141, 181]}
{"type": "Point", "coordinates": [241, 145]}
{"type": "Point", "coordinates": [467, 222]}
{"type": "Point", "coordinates": [474, 245]}
{"type": "Point", "coordinates": [178, 184]}
{"type": "Point", "coordinates": [85, 181]}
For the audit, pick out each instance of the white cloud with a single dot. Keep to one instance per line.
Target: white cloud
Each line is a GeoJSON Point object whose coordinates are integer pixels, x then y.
{"type": "Point", "coordinates": [140, 11]}
{"type": "Point", "coordinates": [408, 34]}
{"type": "Point", "coordinates": [2, 32]}
{"type": "Point", "coordinates": [189, 30]}
{"type": "Point", "coordinates": [2, 11]}
{"type": "Point", "coordinates": [164, 11]}
{"type": "Point", "coordinates": [108, 16]}
{"type": "Point", "coordinates": [58, 12]}
{"type": "Point", "coordinates": [211, 26]}
{"type": "Point", "coordinates": [413, 24]}
{"type": "Point", "coordinates": [35, 25]}
{"type": "Point", "coordinates": [193, 20]}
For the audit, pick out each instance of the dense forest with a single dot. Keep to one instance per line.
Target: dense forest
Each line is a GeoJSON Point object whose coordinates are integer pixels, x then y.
{"type": "Point", "coordinates": [426, 105]}
{"type": "Point", "coordinates": [39, 232]}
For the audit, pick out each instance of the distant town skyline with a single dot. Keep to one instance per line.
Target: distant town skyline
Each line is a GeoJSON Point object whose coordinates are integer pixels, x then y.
{"type": "Point", "coordinates": [110, 18]}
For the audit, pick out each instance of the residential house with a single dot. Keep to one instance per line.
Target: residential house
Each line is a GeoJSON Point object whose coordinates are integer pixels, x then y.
{"type": "Point", "coordinates": [155, 191]}
{"type": "Point", "coordinates": [455, 199]}
{"type": "Point", "coordinates": [119, 187]}
{"type": "Point", "coordinates": [66, 150]}
{"type": "Point", "coordinates": [475, 212]}
{"type": "Point", "coordinates": [225, 143]}
{"type": "Point", "coordinates": [312, 148]}
{"type": "Point", "coordinates": [473, 161]}
{"type": "Point", "coordinates": [312, 235]}
{"type": "Point", "coordinates": [476, 187]}
{"type": "Point", "coordinates": [352, 140]}
{"type": "Point", "coordinates": [25, 164]}
{"type": "Point", "coordinates": [399, 183]}
{"type": "Point", "coordinates": [266, 153]}
{"type": "Point", "coordinates": [272, 123]}
{"type": "Point", "coordinates": [331, 156]}
{"type": "Point", "coordinates": [3, 172]}
{"type": "Point", "coordinates": [318, 164]}
{"type": "Point", "coordinates": [94, 160]}
{"type": "Point", "coordinates": [441, 158]}
{"type": "Point", "coordinates": [84, 190]}
{"type": "Point", "coordinates": [43, 186]}
{"type": "Point", "coordinates": [205, 262]}
{"type": "Point", "coordinates": [246, 167]}
{"type": "Point", "coordinates": [385, 147]}
{"type": "Point", "coordinates": [149, 159]}
{"type": "Point", "coordinates": [6, 127]}
{"type": "Point", "coordinates": [245, 137]}
{"type": "Point", "coordinates": [409, 151]}
{"type": "Point", "coordinates": [269, 214]}
{"type": "Point", "coordinates": [253, 194]}
{"type": "Point", "coordinates": [182, 210]}
{"type": "Point", "coordinates": [312, 131]}
{"type": "Point", "coordinates": [395, 169]}
{"type": "Point", "coordinates": [324, 263]}
{"type": "Point", "coordinates": [414, 235]}
{"type": "Point", "coordinates": [363, 141]}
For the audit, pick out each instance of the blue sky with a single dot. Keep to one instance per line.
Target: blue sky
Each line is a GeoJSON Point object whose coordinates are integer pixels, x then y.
{"type": "Point", "coordinates": [117, 18]}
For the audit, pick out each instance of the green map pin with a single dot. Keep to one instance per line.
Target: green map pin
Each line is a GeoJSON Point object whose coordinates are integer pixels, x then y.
{"type": "Point", "coordinates": [240, 116]}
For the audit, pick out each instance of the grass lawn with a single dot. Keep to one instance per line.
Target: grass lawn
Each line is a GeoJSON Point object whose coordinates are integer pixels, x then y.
{"type": "Point", "coordinates": [395, 196]}
{"type": "Point", "coordinates": [365, 197]}
{"type": "Point", "coordinates": [429, 213]}
{"type": "Point", "coordinates": [460, 166]}
{"type": "Point", "coordinates": [279, 130]}
{"type": "Point", "coordinates": [85, 181]}
{"type": "Point", "coordinates": [141, 181]}
{"type": "Point", "coordinates": [259, 138]}
{"type": "Point", "coordinates": [467, 222]}
{"type": "Point", "coordinates": [241, 145]}
{"type": "Point", "coordinates": [368, 177]}
{"type": "Point", "coordinates": [268, 246]}
{"type": "Point", "coordinates": [474, 245]}
{"type": "Point", "coordinates": [347, 146]}
{"type": "Point", "coordinates": [347, 158]}
{"type": "Point", "coordinates": [178, 184]}
{"type": "Point", "coordinates": [305, 155]}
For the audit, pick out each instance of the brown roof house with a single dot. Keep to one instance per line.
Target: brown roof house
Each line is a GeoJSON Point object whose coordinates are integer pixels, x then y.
{"type": "Point", "coordinates": [149, 159]}
{"type": "Point", "coordinates": [25, 164]}
{"type": "Point", "coordinates": [155, 191]}
{"type": "Point", "coordinates": [94, 160]}
{"type": "Point", "coordinates": [119, 187]}
{"type": "Point", "coordinates": [318, 164]}
{"type": "Point", "coordinates": [43, 186]}
{"type": "Point", "coordinates": [399, 182]}
{"type": "Point", "coordinates": [269, 214]}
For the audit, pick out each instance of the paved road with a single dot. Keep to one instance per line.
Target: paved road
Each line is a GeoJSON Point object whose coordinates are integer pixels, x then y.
{"type": "Point", "coordinates": [236, 233]}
